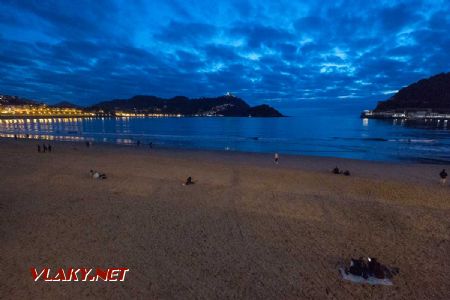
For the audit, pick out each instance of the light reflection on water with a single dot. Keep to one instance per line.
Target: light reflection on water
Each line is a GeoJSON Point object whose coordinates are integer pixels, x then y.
{"type": "Point", "coordinates": [60, 129]}
{"type": "Point", "coordinates": [329, 131]}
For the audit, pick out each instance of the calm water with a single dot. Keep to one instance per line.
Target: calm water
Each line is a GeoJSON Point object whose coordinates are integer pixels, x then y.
{"type": "Point", "coordinates": [324, 129]}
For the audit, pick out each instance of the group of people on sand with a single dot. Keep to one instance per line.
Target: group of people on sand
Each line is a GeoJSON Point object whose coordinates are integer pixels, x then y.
{"type": "Point", "coordinates": [443, 174]}
{"type": "Point", "coordinates": [337, 171]}
{"type": "Point", "coordinates": [276, 160]}
{"type": "Point", "coordinates": [97, 175]}
{"type": "Point", "coordinates": [44, 148]}
{"type": "Point", "coordinates": [371, 268]}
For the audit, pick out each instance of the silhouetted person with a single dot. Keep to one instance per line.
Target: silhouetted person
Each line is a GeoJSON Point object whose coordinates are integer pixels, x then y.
{"type": "Point", "coordinates": [44, 147]}
{"type": "Point", "coordinates": [49, 148]}
{"type": "Point", "coordinates": [87, 144]}
{"type": "Point", "coordinates": [443, 176]}
{"type": "Point", "coordinates": [189, 181]}
{"type": "Point", "coordinates": [150, 145]}
{"type": "Point", "coordinates": [346, 173]}
{"type": "Point", "coordinates": [138, 143]}
{"type": "Point", "coordinates": [276, 158]}
{"type": "Point", "coordinates": [39, 148]}
{"type": "Point", "coordinates": [335, 170]}
{"type": "Point", "coordinates": [15, 137]}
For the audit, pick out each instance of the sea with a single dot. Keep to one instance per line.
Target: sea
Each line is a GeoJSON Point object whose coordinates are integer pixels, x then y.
{"type": "Point", "coordinates": [318, 128]}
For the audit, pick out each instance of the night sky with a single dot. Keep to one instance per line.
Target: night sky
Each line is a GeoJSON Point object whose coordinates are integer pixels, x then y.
{"type": "Point", "coordinates": [263, 51]}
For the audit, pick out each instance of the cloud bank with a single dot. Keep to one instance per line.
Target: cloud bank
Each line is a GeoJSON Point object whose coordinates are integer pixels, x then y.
{"type": "Point", "coordinates": [86, 51]}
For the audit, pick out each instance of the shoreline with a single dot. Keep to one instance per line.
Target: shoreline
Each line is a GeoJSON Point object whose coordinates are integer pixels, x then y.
{"type": "Point", "coordinates": [398, 170]}
{"type": "Point", "coordinates": [383, 144]}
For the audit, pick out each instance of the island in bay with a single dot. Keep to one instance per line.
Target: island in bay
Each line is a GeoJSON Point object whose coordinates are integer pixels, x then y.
{"type": "Point", "coordinates": [140, 106]}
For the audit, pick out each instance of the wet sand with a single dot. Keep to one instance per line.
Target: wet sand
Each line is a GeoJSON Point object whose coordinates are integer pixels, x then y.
{"type": "Point", "coordinates": [247, 229]}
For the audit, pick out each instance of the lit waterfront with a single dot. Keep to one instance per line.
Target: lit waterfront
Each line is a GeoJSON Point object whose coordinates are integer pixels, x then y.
{"type": "Point", "coordinates": [44, 111]}
{"type": "Point", "coordinates": [41, 111]}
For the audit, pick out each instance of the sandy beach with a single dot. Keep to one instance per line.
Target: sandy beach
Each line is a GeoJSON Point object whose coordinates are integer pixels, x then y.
{"type": "Point", "coordinates": [247, 229]}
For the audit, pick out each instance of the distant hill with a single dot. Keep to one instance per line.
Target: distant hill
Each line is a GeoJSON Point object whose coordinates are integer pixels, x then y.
{"type": "Point", "coordinates": [229, 106]}
{"type": "Point", "coordinates": [15, 100]}
{"type": "Point", "coordinates": [263, 110]}
{"type": "Point", "coordinates": [427, 94]}
{"type": "Point", "coordinates": [66, 104]}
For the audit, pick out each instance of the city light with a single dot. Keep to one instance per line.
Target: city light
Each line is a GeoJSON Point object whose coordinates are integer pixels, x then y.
{"type": "Point", "coordinates": [41, 111]}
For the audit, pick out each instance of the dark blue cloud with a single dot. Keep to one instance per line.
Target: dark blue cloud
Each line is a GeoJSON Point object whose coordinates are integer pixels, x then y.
{"type": "Point", "coordinates": [257, 35]}
{"type": "Point", "coordinates": [182, 32]}
{"type": "Point", "coordinates": [86, 51]}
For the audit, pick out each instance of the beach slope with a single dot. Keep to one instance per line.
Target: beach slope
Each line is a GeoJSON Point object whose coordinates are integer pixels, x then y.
{"type": "Point", "coordinates": [247, 229]}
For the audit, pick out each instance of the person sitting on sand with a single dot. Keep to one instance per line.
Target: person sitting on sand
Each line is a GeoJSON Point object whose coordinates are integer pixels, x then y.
{"type": "Point", "coordinates": [335, 170]}
{"type": "Point", "coordinates": [189, 181]}
{"type": "Point", "coordinates": [346, 173]}
{"type": "Point", "coordinates": [375, 268]}
{"type": "Point", "coordinates": [358, 267]}
{"type": "Point", "coordinates": [97, 175]}
{"type": "Point", "coordinates": [370, 270]}
{"type": "Point", "coordinates": [443, 176]}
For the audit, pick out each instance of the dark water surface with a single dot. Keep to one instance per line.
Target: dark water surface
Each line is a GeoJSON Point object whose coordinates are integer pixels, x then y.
{"type": "Point", "coordinates": [313, 128]}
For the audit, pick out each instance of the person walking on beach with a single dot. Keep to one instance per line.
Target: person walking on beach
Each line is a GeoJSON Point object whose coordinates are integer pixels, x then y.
{"type": "Point", "coordinates": [39, 148]}
{"type": "Point", "coordinates": [276, 158]}
{"type": "Point", "coordinates": [443, 176]}
{"type": "Point", "coordinates": [44, 147]}
{"type": "Point", "coordinates": [49, 148]}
